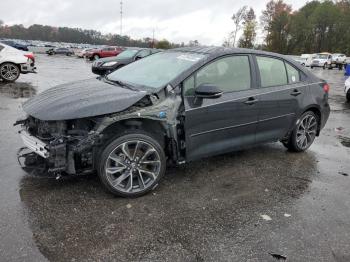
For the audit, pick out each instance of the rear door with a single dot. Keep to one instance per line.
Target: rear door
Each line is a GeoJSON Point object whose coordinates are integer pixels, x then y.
{"type": "Point", "coordinates": [280, 94]}
{"type": "Point", "coordinates": [215, 126]}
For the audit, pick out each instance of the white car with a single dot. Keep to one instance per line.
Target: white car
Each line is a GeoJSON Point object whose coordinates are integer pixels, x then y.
{"type": "Point", "coordinates": [14, 62]}
{"type": "Point", "coordinates": [347, 89]}
{"type": "Point", "coordinates": [339, 58]}
{"type": "Point", "coordinates": [321, 60]}
{"type": "Point", "coordinates": [81, 53]}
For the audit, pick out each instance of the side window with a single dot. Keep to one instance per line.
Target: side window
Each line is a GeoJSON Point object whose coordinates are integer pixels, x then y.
{"type": "Point", "coordinates": [272, 71]}
{"type": "Point", "coordinates": [293, 74]}
{"type": "Point", "coordinates": [229, 74]}
{"type": "Point", "coordinates": [188, 86]}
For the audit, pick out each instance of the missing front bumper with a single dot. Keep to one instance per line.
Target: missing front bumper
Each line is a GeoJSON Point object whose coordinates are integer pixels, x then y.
{"type": "Point", "coordinates": [34, 144]}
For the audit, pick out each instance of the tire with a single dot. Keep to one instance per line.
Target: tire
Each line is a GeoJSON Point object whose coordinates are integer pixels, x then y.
{"type": "Point", "coordinates": [131, 173]}
{"type": "Point", "coordinates": [324, 66]}
{"type": "Point", "coordinates": [9, 72]}
{"type": "Point", "coordinates": [300, 135]}
{"type": "Point", "coordinates": [95, 57]}
{"type": "Point", "coordinates": [348, 96]}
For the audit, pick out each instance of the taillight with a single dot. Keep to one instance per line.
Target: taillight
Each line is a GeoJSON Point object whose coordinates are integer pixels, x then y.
{"type": "Point", "coordinates": [326, 88]}
{"type": "Point", "coordinates": [30, 56]}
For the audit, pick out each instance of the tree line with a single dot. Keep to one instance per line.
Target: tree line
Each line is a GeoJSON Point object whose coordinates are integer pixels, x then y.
{"type": "Point", "coordinates": [318, 26]}
{"type": "Point", "coordinates": [79, 36]}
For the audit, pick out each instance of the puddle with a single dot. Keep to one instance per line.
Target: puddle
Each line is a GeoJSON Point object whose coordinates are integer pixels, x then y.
{"type": "Point", "coordinates": [345, 141]}
{"type": "Point", "coordinates": [17, 90]}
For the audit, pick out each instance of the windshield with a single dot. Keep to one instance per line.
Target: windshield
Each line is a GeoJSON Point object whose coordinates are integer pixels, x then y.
{"type": "Point", "coordinates": [128, 53]}
{"type": "Point", "coordinates": [322, 56]}
{"type": "Point", "coordinates": [157, 70]}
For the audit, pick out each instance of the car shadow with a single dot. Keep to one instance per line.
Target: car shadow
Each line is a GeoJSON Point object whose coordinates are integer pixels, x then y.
{"type": "Point", "coordinates": [77, 219]}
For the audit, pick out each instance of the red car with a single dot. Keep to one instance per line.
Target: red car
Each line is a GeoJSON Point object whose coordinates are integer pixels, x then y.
{"type": "Point", "coordinates": [103, 52]}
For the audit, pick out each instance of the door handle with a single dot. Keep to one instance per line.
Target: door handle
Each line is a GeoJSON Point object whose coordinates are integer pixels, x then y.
{"type": "Point", "coordinates": [251, 101]}
{"type": "Point", "coordinates": [295, 92]}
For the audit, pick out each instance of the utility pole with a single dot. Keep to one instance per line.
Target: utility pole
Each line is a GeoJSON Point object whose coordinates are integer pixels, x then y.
{"type": "Point", "coordinates": [153, 39]}
{"type": "Point", "coordinates": [121, 17]}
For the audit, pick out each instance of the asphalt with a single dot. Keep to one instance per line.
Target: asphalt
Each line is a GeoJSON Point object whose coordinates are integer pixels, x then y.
{"type": "Point", "coordinates": [243, 206]}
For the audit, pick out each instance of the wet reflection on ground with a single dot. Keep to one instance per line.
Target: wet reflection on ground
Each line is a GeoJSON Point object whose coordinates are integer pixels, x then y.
{"type": "Point", "coordinates": [17, 90]}
{"type": "Point", "coordinates": [198, 208]}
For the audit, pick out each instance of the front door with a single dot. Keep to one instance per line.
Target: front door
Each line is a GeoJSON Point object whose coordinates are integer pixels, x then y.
{"type": "Point", "coordinates": [215, 126]}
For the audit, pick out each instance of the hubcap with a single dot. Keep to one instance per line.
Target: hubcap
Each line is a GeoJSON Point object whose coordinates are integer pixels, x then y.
{"type": "Point", "coordinates": [9, 72]}
{"type": "Point", "coordinates": [306, 132]}
{"type": "Point", "coordinates": [133, 166]}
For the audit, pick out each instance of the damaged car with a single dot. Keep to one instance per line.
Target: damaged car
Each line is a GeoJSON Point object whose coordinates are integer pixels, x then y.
{"type": "Point", "coordinates": [171, 108]}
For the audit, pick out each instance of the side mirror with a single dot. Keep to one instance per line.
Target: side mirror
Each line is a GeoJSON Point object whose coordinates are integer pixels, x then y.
{"type": "Point", "coordinates": [208, 91]}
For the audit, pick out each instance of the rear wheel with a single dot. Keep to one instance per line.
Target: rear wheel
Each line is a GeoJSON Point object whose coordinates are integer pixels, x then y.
{"type": "Point", "coordinates": [304, 133]}
{"type": "Point", "coordinates": [348, 95]}
{"type": "Point", "coordinates": [132, 164]}
{"type": "Point", "coordinates": [9, 72]}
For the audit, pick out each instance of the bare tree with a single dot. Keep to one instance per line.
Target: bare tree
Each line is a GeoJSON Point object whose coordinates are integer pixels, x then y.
{"type": "Point", "coordinates": [238, 20]}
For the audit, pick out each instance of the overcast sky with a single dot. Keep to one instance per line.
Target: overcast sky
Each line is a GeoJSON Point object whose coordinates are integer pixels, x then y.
{"type": "Point", "coordinates": [208, 21]}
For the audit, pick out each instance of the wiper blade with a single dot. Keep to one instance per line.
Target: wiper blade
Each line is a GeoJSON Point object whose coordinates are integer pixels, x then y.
{"type": "Point", "coordinates": [120, 83]}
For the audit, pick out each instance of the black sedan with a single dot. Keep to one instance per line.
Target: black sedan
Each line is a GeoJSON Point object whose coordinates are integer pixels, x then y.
{"type": "Point", "coordinates": [109, 64]}
{"type": "Point", "coordinates": [176, 106]}
{"type": "Point", "coordinates": [60, 51]}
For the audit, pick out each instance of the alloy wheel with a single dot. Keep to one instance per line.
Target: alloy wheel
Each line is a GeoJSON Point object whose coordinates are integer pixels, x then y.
{"type": "Point", "coordinates": [9, 72]}
{"type": "Point", "coordinates": [306, 131]}
{"type": "Point", "coordinates": [133, 166]}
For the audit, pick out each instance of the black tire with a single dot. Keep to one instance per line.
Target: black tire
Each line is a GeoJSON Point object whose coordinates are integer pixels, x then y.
{"type": "Point", "coordinates": [293, 143]}
{"type": "Point", "coordinates": [348, 96]}
{"type": "Point", "coordinates": [14, 69]}
{"type": "Point", "coordinates": [147, 182]}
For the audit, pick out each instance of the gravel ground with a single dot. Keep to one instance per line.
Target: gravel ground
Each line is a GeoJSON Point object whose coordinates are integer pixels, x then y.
{"type": "Point", "coordinates": [242, 206]}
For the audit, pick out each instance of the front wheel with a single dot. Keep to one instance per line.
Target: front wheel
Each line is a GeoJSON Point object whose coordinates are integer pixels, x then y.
{"type": "Point", "coordinates": [132, 164]}
{"type": "Point", "coordinates": [304, 133]}
{"type": "Point", "coordinates": [9, 72]}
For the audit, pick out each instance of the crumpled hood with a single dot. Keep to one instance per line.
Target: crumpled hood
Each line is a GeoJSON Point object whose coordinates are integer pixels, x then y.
{"type": "Point", "coordinates": [85, 98]}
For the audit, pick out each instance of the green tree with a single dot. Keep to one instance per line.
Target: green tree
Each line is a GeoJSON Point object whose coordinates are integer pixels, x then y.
{"type": "Point", "coordinates": [249, 30]}
{"type": "Point", "coordinates": [276, 23]}
{"type": "Point", "coordinates": [163, 44]}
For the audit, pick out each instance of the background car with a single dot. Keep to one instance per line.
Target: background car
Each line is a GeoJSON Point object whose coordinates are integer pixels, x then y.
{"type": "Point", "coordinates": [321, 60]}
{"type": "Point", "coordinates": [16, 45]}
{"type": "Point", "coordinates": [106, 65]}
{"type": "Point", "coordinates": [103, 52]}
{"type": "Point", "coordinates": [13, 62]}
{"type": "Point", "coordinates": [60, 51]}
{"type": "Point", "coordinates": [347, 89]}
{"type": "Point", "coordinates": [81, 53]}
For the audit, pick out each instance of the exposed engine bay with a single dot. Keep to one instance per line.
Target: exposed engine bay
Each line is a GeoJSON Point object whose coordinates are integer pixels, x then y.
{"type": "Point", "coordinates": [72, 146]}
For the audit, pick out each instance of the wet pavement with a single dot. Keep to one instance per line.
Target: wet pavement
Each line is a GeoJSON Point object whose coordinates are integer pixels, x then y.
{"type": "Point", "coordinates": [210, 210]}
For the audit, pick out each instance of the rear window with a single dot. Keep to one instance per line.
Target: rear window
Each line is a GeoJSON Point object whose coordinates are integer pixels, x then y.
{"type": "Point", "coordinates": [293, 74]}
{"type": "Point", "coordinates": [272, 71]}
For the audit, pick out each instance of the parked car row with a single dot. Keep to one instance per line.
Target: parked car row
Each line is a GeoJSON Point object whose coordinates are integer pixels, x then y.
{"type": "Point", "coordinates": [324, 60]}
{"type": "Point", "coordinates": [14, 62]}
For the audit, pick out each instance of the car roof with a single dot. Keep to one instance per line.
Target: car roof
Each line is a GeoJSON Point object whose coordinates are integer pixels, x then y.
{"type": "Point", "coordinates": [216, 51]}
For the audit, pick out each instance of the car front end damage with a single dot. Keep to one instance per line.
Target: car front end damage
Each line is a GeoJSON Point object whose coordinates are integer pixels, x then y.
{"type": "Point", "coordinates": [71, 147]}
